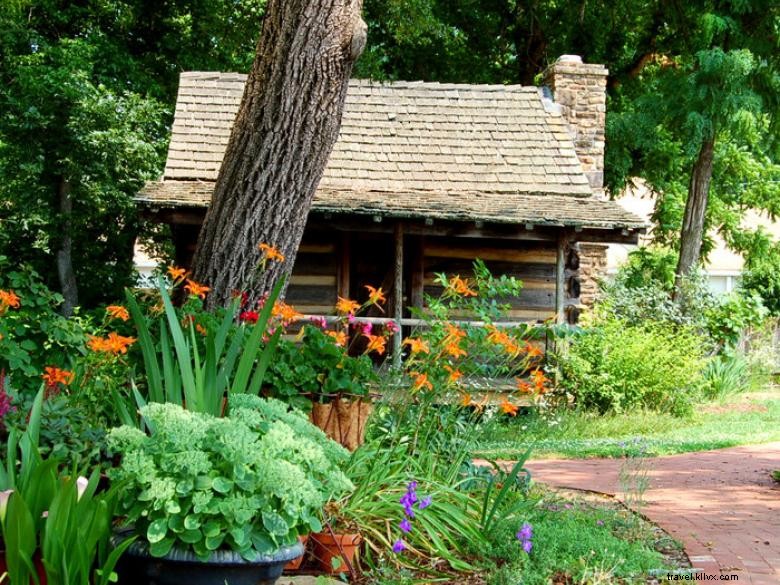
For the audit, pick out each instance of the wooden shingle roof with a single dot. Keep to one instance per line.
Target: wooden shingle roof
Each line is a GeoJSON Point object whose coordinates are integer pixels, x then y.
{"type": "Point", "coordinates": [408, 149]}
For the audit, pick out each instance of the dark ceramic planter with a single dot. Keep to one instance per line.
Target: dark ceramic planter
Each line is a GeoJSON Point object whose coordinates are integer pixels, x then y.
{"type": "Point", "coordinates": [138, 567]}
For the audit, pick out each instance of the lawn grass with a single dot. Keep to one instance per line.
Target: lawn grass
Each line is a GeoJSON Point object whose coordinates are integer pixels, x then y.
{"type": "Point", "coordinates": [748, 418]}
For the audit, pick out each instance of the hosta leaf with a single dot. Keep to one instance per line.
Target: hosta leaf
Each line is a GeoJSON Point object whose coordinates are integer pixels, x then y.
{"type": "Point", "coordinates": [211, 528]}
{"type": "Point", "coordinates": [214, 542]}
{"type": "Point", "coordinates": [191, 536]}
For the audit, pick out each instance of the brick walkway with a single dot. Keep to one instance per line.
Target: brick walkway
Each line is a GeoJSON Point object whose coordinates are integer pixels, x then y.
{"type": "Point", "coordinates": [722, 505]}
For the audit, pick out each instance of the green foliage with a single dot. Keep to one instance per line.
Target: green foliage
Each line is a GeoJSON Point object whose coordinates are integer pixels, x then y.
{"type": "Point", "coordinates": [617, 366]}
{"type": "Point", "coordinates": [724, 375]}
{"type": "Point", "coordinates": [182, 369]}
{"type": "Point", "coordinates": [762, 277]}
{"type": "Point", "coordinates": [35, 335]}
{"type": "Point", "coordinates": [571, 541]}
{"type": "Point", "coordinates": [250, 483]}
{"type": "Point", "coordinates": [315, 367]}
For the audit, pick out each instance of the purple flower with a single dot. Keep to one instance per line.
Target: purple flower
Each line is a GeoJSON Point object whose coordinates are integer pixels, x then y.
{"type": "Point", "coordinates": [526, 532]}
{"type": "Point", "coordinates": [424, 503]}
{"type": "Point", "coordinates": [527, 546]}
{"type": "Point", "coordinates": [599, 523]}
{"type": "Point", "coordinates": [567, 506]}
{"type": "Point", "coordinates": [399, 546]}
{"type": "Point", "coordinates": [405, 526]}
{"type": "Point", "coordinates": [411, 487]}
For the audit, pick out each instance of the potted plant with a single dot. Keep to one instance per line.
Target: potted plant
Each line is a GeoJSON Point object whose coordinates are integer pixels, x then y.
{"type": "Point", "coordinates": [335, 547]}
{"type": "Point", "coordinates": [318, 369]}
{"type": "Point", "coordinates": [222, 499]}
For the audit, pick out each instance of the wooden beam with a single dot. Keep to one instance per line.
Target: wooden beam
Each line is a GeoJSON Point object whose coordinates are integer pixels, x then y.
{"type": "Point", "coordinates": [343, 284]}
{"type": "Point", "coordinates": [560, 283]}
{"type": "Point", "coordinates": [398, 290]}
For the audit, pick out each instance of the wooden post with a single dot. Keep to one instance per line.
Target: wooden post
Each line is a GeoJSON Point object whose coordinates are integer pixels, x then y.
{"type": "Point", "coordinates": [343, 284]}
{"type": "Point", "coordinates": [398, 290]}
{"type": "Point", "coordinates": [560, 278]}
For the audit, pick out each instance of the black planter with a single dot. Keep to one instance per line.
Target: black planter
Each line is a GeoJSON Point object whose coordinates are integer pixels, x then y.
{"type": "Point", "coordinates": [138, 567]}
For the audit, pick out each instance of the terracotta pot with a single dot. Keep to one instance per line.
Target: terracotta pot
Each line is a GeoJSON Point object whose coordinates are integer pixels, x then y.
{"type": "Point", "coordinates": [327, 547]}
{"type": "Point", "coordinates": [296, 563]}
{"type": "Point", "coordinates": [343, 420]}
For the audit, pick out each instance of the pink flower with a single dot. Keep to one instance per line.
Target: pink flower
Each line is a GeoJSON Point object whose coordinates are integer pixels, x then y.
{"type": "Point", "coordinates": [320, 322]}
{"type": "Point", "coordinates": [366, 328]}
{"type": "Point", "coordinates": [392, 327]}
{"type": "Point", "coordinates": [351, 318]}
{"type": "Point", "coordinates": [4, 497]}
{"type": "Point", "coordinates": [81, 485]}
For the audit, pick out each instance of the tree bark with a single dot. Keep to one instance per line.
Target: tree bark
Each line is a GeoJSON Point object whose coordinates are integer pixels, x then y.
{"type": "Point", "coordinates": [284, 131]}
{"type": "Point", "coordinates": [65, 273]}
{"type": "Point", "coordinates": [695, 211]}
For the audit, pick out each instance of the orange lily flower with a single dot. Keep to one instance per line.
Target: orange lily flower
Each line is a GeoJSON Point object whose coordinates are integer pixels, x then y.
{"type": "Point", "coordinates": [524, 386]}
{"type": "Point", "coordinates": [339, 337]}
{"type": "Point", "coordinates": [8, 299]}
{"type": "Point", "coordinates": [375, 296]}
{"type": "Point", "coordinates": [417, 345]}
{"type": "Point", "coordinates": [538, 378]}
{"type": "Point", "coordinates": [195, 289]}
{"type": "Point", "coordinates": [460, 286]}
{"type": "Point", "coordinates": [271, 253]}
{"type": "Point", "coordinates": [509, 408]}
{"type": "Point", "coordinates": [54, 376]}
{"type": "Point", "coordinates": [454, 376]}
{"type": "Point", "coordinates": [114, 343]}
{"type": "Point", "coordinates": [376, 343]}
{"type": "Point", "coordinates": [177, 274]}
{"type": "Point", "coordinates": [455, 350]}
{"type": "Point", "coordinates": [117, 312]}
{"type": "Point", "coordinates": [201, 329]}
{"type": "Point", "coordinates": [465, 400]}
{"type": "Point", "coordinates": [420, 381]}
{"type": "Point", "coordinates": [285, 312]}
{"type": "Point", "coordinates": [346, 306]}
{"type": "Point", "coordinates": [533, 351]}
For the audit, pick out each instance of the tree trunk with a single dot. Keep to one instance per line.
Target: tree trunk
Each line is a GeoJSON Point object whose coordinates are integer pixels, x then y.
{"type": "Point", "coordinates": [65, 272]}
{"type": "Point", "coordinates": [284, 131]}
{"type": "Point", "coordinates": [695, 211]}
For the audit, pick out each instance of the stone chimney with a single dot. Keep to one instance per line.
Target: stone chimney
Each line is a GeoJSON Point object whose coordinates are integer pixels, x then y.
{"type": "Point", "coordinates": [581, 91]}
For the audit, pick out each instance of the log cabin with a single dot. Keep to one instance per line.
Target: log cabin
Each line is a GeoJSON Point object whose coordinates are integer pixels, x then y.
{"type": "Point", "coordinates": [424, 178]}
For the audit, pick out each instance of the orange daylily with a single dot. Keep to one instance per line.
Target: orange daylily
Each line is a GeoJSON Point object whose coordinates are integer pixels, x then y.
{"type": "Point", "coordinates": [195, 289]}
{"type": "Point", "coordinates": [533, 351]}
{"type": "Point", "coordinates": [509, 408]}
{"type": "Point", "coordinates": [538, 378]}
{"type": "Point", "coordinates": [339, 337]}
{"type": "Point", "coordinates": [420, 381]}
{"type": "Point", "coordinates": [524, 386]}
{"type": "Point", "coordinates": [460, 286]}
{"type": "Point", "coordinates": [454, 333]}
{"type": "Point", "coordinates": [285, 312]}
{"type": "Point", "coordinates": [375, 296]}
{"type": "Point", "coordinates": [177, 274]}
{"type": "Point", "coordinates": [8, 299]}
{"type": "Point", "coordinates": [346, 306]}
{"type": "Point", "coordinates": [114, 343]}
{"type": "Point", "coordinates": [117, 312]}
{"type": "Point", "coordinates": [454, 350]}
{"type": "Point", "coordinates": [376, 343]}
{"type": "Point", "coordinates": [417, 345]}
{"type": "Point", "coordinates": [454, 376]}
{"type": "Point", "coordinates": [465, 400]}
{"type": "Point", "coordinates": [201, 329]}
{"type": "Point", "coordinates": [271, 253]}
{"type": "Point", "coordinates": [53, 376]}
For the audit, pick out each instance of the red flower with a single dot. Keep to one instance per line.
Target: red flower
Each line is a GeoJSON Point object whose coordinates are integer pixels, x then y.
{"type": "Point", "coordinates": [249, 316]}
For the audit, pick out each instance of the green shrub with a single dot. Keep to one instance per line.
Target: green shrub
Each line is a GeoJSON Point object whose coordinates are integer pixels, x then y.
{"type": "Point", "coordinates": [615, 366]}
{"type": "Point", "coordinates": [250, 483]}
{"type": "Point", "coordinates": [763, 278]}
{"type": "Point", "coordinates": [34, 335]}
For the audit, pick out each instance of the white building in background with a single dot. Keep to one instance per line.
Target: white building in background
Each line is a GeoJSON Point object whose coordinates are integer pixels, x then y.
{"type": "Point", "coordinates": [723, 267]}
